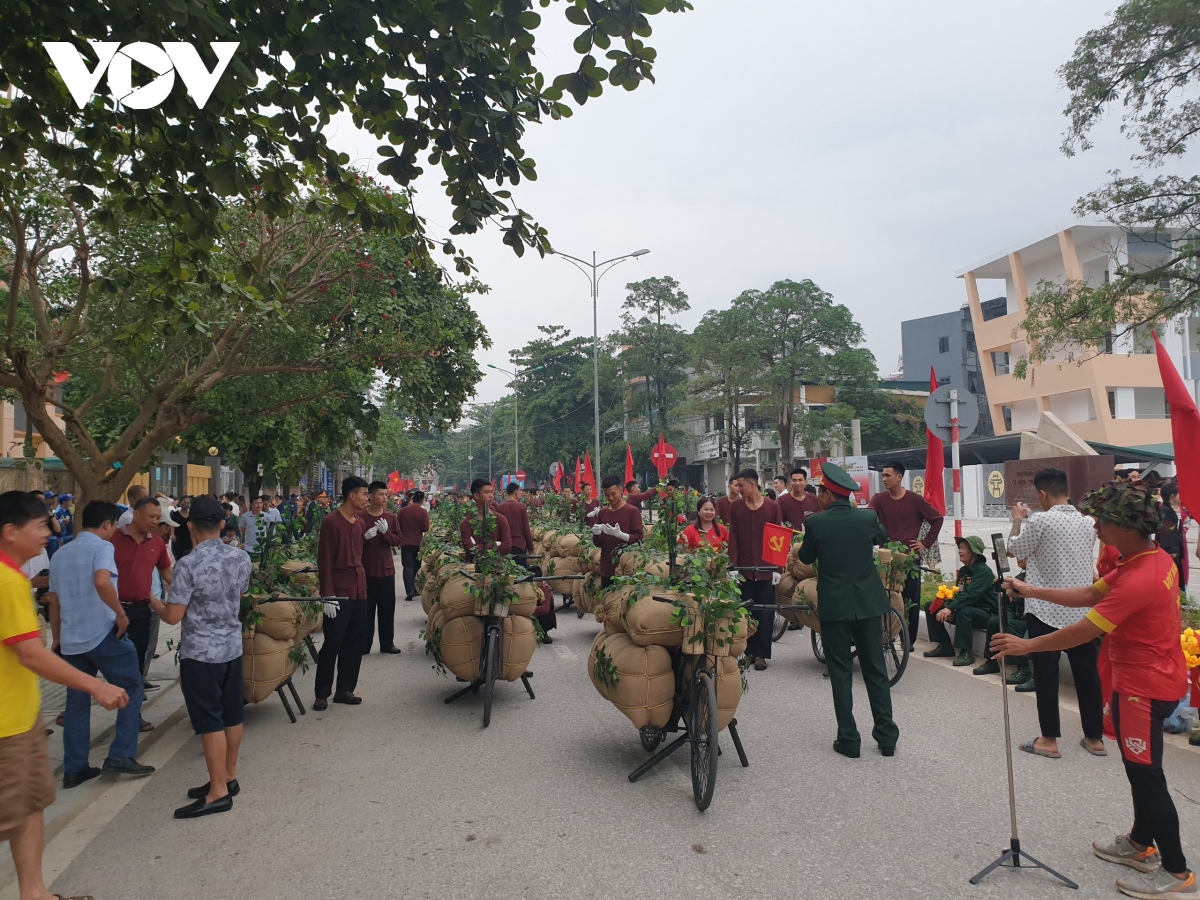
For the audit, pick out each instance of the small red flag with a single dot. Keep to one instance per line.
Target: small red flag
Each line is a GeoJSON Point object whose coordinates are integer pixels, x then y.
{"type": "Point", "coordinates": [935, 460]}
{"type": "Point", "coordinates": [395, 482]}
{"type": "Point", "coordinates": [1185, 429]}
{"type": "Point", "coordinates": [578, 476]}
{"type": "Point", "coordinates": [628, 464]}
{"type": "Point", "coordinates": [558, 476]}
{"type": "Point", "coordinates": [777, 541]}
{"type": "Point", "coordinates": [588, 476]}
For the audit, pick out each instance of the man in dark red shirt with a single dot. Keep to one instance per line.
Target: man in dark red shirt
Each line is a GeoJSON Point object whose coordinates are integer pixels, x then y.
{"type": "Point", "coordinates": [617, 526]}
{"type": "Point", "coordinates": [797, 504]}
{"type": "Point", "coordinates": [414, 523]}
{"type": "Point", "coordinates": [636, 497]}
{"type": "Point", "coordinates": [903, 513]}
{"type": "Point", "coordinates": [517, 515]}
{"type": "Point", "coordinates": [748, 518]}
{"type": "Point", "coordinates": [470, 530]}
{"type": "Point", "coordinates": [139, 551]}
{"type": "Point", "coordinates": [725, 504]}
{"type": "Point", "coordinates": [341, 574]}
{"type": "Point", "coordinates": [590, 503]}
{"type": "Point", "coordinates": [380, 568]}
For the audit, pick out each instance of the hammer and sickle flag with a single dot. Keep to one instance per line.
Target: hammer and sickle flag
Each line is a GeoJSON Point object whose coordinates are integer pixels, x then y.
{"type": "Point", "coordinates": [777, 541]}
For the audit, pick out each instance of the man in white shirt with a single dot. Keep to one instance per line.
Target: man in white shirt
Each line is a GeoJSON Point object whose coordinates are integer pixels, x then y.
{"type": "Point", "coordinates": [135, 493]}
{"type": "Point", "coordinates": [254, 525]}
{"type": "Point", "coordinates": [1058, 546]}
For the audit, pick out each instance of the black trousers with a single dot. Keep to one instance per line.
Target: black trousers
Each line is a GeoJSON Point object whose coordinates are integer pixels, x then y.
{"type": "Point", "coordinates": [409, 565]}
{"type": "Point", "coordinates": [381, 600]}
{"type": "Point", "coordinates": [139, 631]}
{"type": "Point", "coordinates": [1155, 819]}
{"type": "Point", "coordinates": [759, 646]}
{"type": "Point", "coordinates": [912, 607]}
{"type": "Point", "coordinates": [345, 641]}
{"type": "Point", "coordinates": [1087, 684]}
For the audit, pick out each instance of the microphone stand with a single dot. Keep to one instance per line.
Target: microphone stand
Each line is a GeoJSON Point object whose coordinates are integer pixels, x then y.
{"type": "Point", "coordinates": [1010, 858]}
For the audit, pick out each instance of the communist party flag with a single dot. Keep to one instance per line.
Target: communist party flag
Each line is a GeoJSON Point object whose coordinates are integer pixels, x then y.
{"type": "Point", "coordinates": [395, 483]}
{"type": "Point", "coordinates": [558, 475]}
{"type": "Point", "coordinates": [935, 458]}
{"type": "Point", "coordinates": [628, 464]}
{"type": "Point", "coordinates": [589, 477]}
{"type": "Point", "coordinates": [578, 476]}
{"type": "Point", "coordinates": [777, 541]}
{"type": "Point", "coordinates": [1185, 429]}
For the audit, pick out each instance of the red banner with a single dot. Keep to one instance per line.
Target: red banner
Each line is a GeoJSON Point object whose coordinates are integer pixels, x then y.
{"type": "Point", "coordinates": [578, 476]}
{"type": "Point", "coordinates": [628, 465]}
{"type": "Point", "coordinates": [777, 541]}
{"type": "Point", "coordinates": [558, 476]}
{"type": "Point", "coordinates": [395, 483]}
{"type": "Point", "coordinates": [1185, 429]}
{"type": "Point", "coordinates": [589, 476]}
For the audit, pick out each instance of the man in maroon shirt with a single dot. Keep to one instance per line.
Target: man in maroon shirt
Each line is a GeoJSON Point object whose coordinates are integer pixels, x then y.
{"type": "Point", "coordinates": [590, 503]}
{"type": "Point", "coordinates": [470, 530]}
{"type": "Point", "coordinates": [747, 520]}
{"type": "Point", "coordinates": [138, 551]}
{"type": "Point", "coordinates": [903, 513]}
{"type": "Point", "coordinates": [797, 504]}
{"type": "Point", "coordinates": [341, 574]}
{"type": "Point", "coordinates": [617, 525]}
{"type": "Point", "coordinates": [380, 568]}
{"type": "Point", "coordinates": [414, 523]}
{"type": "Point", "coordinates": [725, 504]}
{"type": "Point", "coordinates": [636, 497]}
{"type": "Point", "coordinates": [517, 515]}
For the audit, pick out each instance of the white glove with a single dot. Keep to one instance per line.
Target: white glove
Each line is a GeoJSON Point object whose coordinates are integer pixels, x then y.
{"type": "Point", "coordinates": [598, 530]}
{"type": "Point", "coordinates": [594, 513]}
{"type": "Point", "coordinates": [618, 533]}
{"type": "Point", "coordinates": [371, 532]}
{"type": "Point", "coordinates": [382, 525]}
{"type": "Point", "coordinates": [331, 610]}
{"type": "Point", "coordinates": [775, 576]}
{"type": "Point", "coordinates": [735, 577]}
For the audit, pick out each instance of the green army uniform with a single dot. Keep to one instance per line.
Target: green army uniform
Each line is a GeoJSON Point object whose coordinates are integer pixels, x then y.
{"type": "Point", "coordinates": [974, 604]}
{"type": "Point", "coordinates": [853, 601]}
{"type": "Point", "coordinates": [1014, 623]}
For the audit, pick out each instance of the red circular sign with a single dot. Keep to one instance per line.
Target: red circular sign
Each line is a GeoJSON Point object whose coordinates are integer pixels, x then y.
{"type": "Point", "coordinates": [520, 475]}
{"type": "Point", "coordinates": [663, 455]}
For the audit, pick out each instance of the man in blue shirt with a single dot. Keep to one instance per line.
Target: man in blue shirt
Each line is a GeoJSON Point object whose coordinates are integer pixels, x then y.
{"type": "Point", "coordinates": [66, 519]}
{"type": "Point", "coordinates": [89, 630]}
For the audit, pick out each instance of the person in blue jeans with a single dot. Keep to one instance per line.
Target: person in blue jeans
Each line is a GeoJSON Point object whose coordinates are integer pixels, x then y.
{"type": "Point", "coordinates": [89, 631]}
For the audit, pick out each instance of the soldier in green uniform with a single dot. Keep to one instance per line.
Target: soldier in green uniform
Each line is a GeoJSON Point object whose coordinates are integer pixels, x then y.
{"type": "Point", "coordinates": [971, 607]}
{"type": "Point", "coordinates": [840, 540]}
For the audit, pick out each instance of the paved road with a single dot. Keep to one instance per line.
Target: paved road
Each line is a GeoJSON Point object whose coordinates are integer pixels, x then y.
{"type": "Point", "coordinates": [407, 797]}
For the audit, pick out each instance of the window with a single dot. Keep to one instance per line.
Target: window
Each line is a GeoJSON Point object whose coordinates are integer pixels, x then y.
{"type": "Point", "coordinates": [971, 341]}
{"type": "Point", "coordinates": [972, 383]}
{"type": "Point", "coordinates": [1006, 412]}
{"type": "Point", "coordinates": [943, 345]}
{"type": "Point", "coordinates": [1000, 362]}
{"type": "Point", "coordinates": [719, 422]}
{"type": "Point", "coordinates": [1112, 404]}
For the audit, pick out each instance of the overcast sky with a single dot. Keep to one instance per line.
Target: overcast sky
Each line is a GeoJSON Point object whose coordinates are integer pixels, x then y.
{"type": "Point", "coordinates": [875, 148]}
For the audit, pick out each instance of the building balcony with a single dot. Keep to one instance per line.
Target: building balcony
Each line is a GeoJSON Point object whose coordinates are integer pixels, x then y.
{"type": "Point", "coordinates": [997, 334]}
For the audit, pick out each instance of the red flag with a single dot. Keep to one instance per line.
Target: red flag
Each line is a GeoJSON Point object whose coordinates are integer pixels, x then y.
{"type": "Point", "coordinates": [777, 541]}
{"type": "Point", "coordinates": [935, 458]}
{"type": "Point", "coordinates": [588, 476]}
{"type": "Point", "coordinates": [1185, 429]}
{"type": "Point", "coordinates": [578, 476]}
{"type": "Point", "coordinates": [395, 482]}
{"type": "Point", "coordinates": [628, 464]}
{"type": "Point", "coordinates": [660, 457]}
{"type": "Point", "coordinates": [558, 475]}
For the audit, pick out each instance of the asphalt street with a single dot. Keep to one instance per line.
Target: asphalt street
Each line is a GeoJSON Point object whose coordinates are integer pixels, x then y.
{"type": "Point", "coordinates": [405, 796]}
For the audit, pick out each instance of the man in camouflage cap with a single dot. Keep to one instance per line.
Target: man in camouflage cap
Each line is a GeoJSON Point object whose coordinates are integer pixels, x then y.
{"type": "Point", "coordinates": [971, 607]}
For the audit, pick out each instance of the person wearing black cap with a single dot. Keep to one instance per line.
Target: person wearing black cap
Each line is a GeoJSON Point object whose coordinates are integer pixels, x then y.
{"type": "Point", "coordinates": [971, 607]}
{"type": "Point", "coordinates": [206, 596]}
{"type": "Point", "coordinates": [853, 601]}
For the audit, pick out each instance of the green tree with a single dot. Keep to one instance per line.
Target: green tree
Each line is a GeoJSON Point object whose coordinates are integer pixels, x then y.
{"type": "Point", "coordinates": [887, 421]}
{"type": "Point", "coordinates": [724, 378]}
{"type": "Point", "coordinates": [797, 335]}
{"type": "Point", "coordinates": [654, 351]}
{"type": "Point", "coordinates": [1146, 58]}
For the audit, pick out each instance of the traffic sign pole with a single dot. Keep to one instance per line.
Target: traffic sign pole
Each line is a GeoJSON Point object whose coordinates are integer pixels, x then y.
{"type": "Point", "coordinates": [955, 464]}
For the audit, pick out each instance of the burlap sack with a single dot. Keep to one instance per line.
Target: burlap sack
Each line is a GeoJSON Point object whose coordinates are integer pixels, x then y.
{"type": "Point", "coordinates": [265, 665]}
{"type": "Point", "coordinates": [586, 592]}
{"type": "Point", "coordinates": [658, 568]}
{"type": "Point", "coordinates": [461, 643]}
{"type": "Point", "coordinates": [279, 620]}
{"type": "Point", "coordinates": [549, 546]}
{"type": "Point", "coordinates": [520, 640]}
{"type": "Point", "coordinates": [569, 545]}
{"type": "Point", "coordinates": [648, 621]}
{"type": "Point", "coordinates": [564, 566]}
{"type": "Point", "coordinates": [455, 598]}
{"type": "Point", "coordinates": [806, 592]}
{"type": "Point", "coordinates": [729, 690]}
{"type": "Point", "coordinates": [528, 597]}
{"type": "Point", "coordinates": [629, 562]}
{"type": "Point", "coordinates": [729, 637]}
{"type": "Point", "coordinates": [645, 684]}
{"type": "Point", "coordinates": [797, 569]}
{"type": "Point", "coordinates": [427, 604]}
{"type": "Point", "coordinates": [898, 605]}
{"type": "Point", "coordinates": [891, 568]}
{"type": "Point", "coordinates": [786, 588]}
{"type": "Point", "coordinates": [591, 560]}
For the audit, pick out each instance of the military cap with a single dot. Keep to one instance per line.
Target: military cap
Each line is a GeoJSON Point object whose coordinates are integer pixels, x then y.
{"type": "Point", "coordinates": [837, 481]}
{"type": "Point", "coordinates": [974, 542]}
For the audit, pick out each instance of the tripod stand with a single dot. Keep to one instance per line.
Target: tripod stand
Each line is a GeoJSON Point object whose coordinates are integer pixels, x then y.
{"type": "Point", "coordinates": [1010, 858]}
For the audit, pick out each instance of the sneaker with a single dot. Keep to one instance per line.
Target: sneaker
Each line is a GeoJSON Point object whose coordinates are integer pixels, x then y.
{"type": "Point", "coordinates": [966, 658]}
{"type": "Point", "coordinates": [939, 650]}
{"type": "Point", "coordinates": [760, 665]}
{"type": "Point", "coordinates": [1122, 852]}
{"type": "Point", "coordinates": [989, 667]}
{"type": "Point", "coordinates": [1027, 688]}
{"type": "Point", "coordinates": [1019, 677]}
{"type": "Point", "coordinates": [148, 686]}
{"type": "Point", "coordinates": [1159, 883]}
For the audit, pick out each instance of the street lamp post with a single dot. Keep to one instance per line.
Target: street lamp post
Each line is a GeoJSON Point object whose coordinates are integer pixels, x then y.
{"type": "Point", "coordinates": [594, 280]}
{"type": "Point", "coordinates": [516, 430]}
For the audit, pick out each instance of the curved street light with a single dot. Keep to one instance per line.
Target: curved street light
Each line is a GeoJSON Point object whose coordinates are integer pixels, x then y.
{"type": "Point", "coordinates": [594, 277]}
{"type": "Point", "coordinates": [516, 432]}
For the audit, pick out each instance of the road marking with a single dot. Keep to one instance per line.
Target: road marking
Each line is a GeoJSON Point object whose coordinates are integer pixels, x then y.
{"type": "Point", "coordinates": [565, 653]}
{"type": "Point", "coordinates": [94, 818]}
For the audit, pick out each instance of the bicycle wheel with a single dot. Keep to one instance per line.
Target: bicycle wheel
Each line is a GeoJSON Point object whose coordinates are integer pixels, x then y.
{"type": "Point", "coordinates": [818, 647]}
{"type": "Point", "coordinates": [895, 645]}
{"type": "Point", "coordinates": [778, 627]}
{"type": "Point", "coordinates": [702, 728]}
{"type": "Point", "coordinates": [491, 668]}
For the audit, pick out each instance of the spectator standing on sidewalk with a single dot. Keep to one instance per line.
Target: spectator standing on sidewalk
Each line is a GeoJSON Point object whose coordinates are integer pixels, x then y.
{"type": "Point", "coordinates": [89, 626]}
{"type": "Point", "coordinates": [135, 493]}
{"type": "Point", "coordinates": [26, 779]}
{"type": "Point", "coordinates": [382, 534]}
{"type": "Point", "coordinates": [207, 599]}
{"type": "Point", "coordinates": [181, 539]}
{"type": "Point", "coordinates": [1058, 545]}
{"type": "Point", "coordinates": [903, 514]}
{"type": "Point", "coordinates": [414, 523]}
{"type": "Point", "coordinates": [66, 519]}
